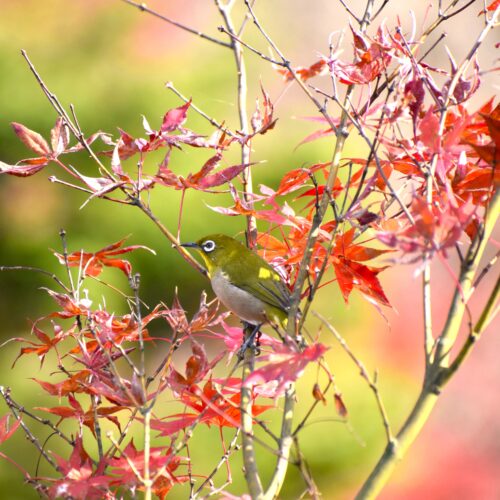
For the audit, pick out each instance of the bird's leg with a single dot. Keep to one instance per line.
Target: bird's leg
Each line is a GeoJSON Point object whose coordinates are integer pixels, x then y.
{"type": "Point", "coordinates": [249, 341]}
{"type": "Point", "coordinates": [257, 343]}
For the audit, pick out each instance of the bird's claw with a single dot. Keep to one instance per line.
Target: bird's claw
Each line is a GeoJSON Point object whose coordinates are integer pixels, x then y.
{"type": "Point", "coordinates": [252, 342]}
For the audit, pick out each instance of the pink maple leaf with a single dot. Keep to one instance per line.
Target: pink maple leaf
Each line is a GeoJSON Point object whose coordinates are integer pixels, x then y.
{"type": "Point", "coordinates": [285, 365]}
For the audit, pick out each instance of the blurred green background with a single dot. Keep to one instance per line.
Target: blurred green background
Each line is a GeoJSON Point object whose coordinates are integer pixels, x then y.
{"type": "Point", "coordinates": [112, 61]}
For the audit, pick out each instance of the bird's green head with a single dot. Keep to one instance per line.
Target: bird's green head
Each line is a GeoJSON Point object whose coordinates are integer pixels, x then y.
{"type": "Point", "coordinates": [217, 249]}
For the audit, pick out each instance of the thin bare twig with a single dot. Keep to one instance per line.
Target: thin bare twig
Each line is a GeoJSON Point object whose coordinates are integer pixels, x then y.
{"type": "Point", "coordinates": [212, 121]}
{"type": "Point", "coordinates": [36, 270]}
{"type": "Point", "coordinates": [349, 11]}
{"type": "Point", "coordinates": [372, 382]}
{"type": "Point", "coordinates": [5, 392]}
{"type": "Point", "coordinates": [224, 459]}
{"type": "Point", "coordinates": [44, 421]}
{"type": "Point", "coordinates": [144, 8]}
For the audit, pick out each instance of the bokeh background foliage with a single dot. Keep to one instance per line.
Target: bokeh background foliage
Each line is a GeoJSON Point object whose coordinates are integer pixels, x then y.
{"type": "Point", "coordinates": [111, 62]}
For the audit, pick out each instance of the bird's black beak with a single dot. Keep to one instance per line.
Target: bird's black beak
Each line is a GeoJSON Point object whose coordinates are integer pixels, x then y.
{"type": "Point", "coordinates": [190, 245]}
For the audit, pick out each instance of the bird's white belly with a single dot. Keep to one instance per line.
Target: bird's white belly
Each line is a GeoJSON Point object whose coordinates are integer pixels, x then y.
{"type": "Point", "coordinates": [242, 303]}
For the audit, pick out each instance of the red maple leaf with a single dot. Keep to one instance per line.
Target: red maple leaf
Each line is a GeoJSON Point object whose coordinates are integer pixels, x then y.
{"type": "Point", "coordinates": [373, 55]}
{"type": "Point", "coordinates": [197, 367]}
{"type": "Point", "coordinates": [262, 121]}
{"type": "Point", "coordinates": [436, 228]}
{"type": "Point", "coordinates": [59, 139]}
{"type": "Point", "coordinates": [351, 274]}
{"type": "Point", "coordinates": [86, 418]}
{"type": "Point", "coordinates": [76, 383]}
{"type": "Point", "coordinates": [305, 73]}
{"type": "Point", "coordinates": [203, 179]}
{"type": "Point", "coordinates": [7, 430]}
{"type": "Point", "coordinates": [92, 263]}
{"type": "Point", "coordinates": [46, 344]}
{"type": "Point", "coordinates": [160, 458]}
{"type": "Point", "coordinates": [211, 405]}
{"type": "Point", "coordinates": [79, 479]}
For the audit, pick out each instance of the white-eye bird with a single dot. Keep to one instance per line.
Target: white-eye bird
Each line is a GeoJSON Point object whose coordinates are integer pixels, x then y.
{"type": "Point", "coordinates": [243, 281]}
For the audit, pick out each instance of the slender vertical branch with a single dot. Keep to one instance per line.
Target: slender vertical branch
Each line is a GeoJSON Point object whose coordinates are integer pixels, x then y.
{"type": "Point", "coordinates": [225, 10]}
{"type": "Point", "coordinates": [436, 375]}
{"type": "Point", "coordinates": [341, 134]}
{"type": "Point", "coordinates": [486, 317]}
{"type": "Point", "coordinates": [286, 441]}
{"type": "Point", "coordinates": [148, 484]}
{"type": "Point", "coordinates": [427, 309]}
{"type": "Point", "coordinates": [250, 465]}
{"type": "Point", "coordinates": [249, 460]}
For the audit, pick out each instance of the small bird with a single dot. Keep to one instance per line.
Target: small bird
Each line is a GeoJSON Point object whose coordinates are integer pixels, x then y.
{"type": "Point", "coordinates": [243, 281]}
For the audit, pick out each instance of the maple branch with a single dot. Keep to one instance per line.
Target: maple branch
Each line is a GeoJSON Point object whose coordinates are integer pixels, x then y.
{"type": "Point", "coordinates": [286, 64]}
{"type": "Point", "coordinates": [175, 243]}
{"type": "Point", "coordinates": [5, 392]}
{"type": "Point", "coordinates": [59, 108]}
{"type": "Point", "coordinates": [426, 276]}
{"type": "Point", "coordinates": [77, 132]}
{"type": "Point", "coordinates": [485, 319]}
{"type": "Point", "coordinates": [285, 444]}
{"type": "Point", "coordinates": [250, 465]}
{"type": "Point", "coordinates": [55, 180]}
{"type": "Point", "coordinates": [380, 9]}
{"type": "Point", "coordinates": [36, 270]}
{"type": "Point", "coordinates": [97, 426]}
{"type": "Point", "coordinates": [427, 311]}
{"type": "Point", "coordinates": [225, 11]}
{"type": "Point", "coordinates": [312, 489]}
{"type": "Point", "coordinates": [486, 269]}
{"type": "Point", "coordinates": [436, 376]}
{"type": "Point", "coordinates": [349, 11]}
{"type": "Point", "coordinates": [444, 17]}
{"type": "Point", "coordinates": [429, 191]}
{"type": "Point", "coordinates": [251, 48]}
{"type": "Point", "coordinates": [144, 8]}
{"type": "Point", "coordinates": [372, 382]}
{"type": "Point", "coordinates": [233, 446]}
{"type": "Point", "coordinates": [341, 135]}
{"type": "Point", "coordinates": [147, 481]}
{"type": "Point", "coordinates": [145, 409]}
{"type": "Point", "coordinates": [249, 459]}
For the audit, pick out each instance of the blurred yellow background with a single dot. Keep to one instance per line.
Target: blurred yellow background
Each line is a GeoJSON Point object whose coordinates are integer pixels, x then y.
{"type": "Point", "coordinates": [112, 61]}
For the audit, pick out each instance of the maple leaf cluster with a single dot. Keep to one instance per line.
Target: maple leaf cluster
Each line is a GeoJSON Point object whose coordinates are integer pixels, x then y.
{"type": "Point", "coordinates": [94, 350]}
{"type": "Point", "coordinates": [457, 148]}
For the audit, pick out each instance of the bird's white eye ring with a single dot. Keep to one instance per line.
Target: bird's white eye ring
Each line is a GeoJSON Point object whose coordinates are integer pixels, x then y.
{"type": "Point", "coordinates": [208, 246]}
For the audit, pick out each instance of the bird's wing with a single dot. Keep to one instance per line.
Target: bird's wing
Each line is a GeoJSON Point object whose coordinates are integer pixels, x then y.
{"type": "Point", "coordinates": [263, 282]}
{"type": "Point", "coordinates": [271, 291]}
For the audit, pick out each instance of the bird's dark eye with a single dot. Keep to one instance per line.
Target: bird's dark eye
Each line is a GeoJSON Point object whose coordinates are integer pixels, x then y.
{"type": "Point", "coordinates": [208, 246]}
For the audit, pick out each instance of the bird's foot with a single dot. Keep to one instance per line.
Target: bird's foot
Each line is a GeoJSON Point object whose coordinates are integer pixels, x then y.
{"type": "Point", "coordinates": [252, 341]}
